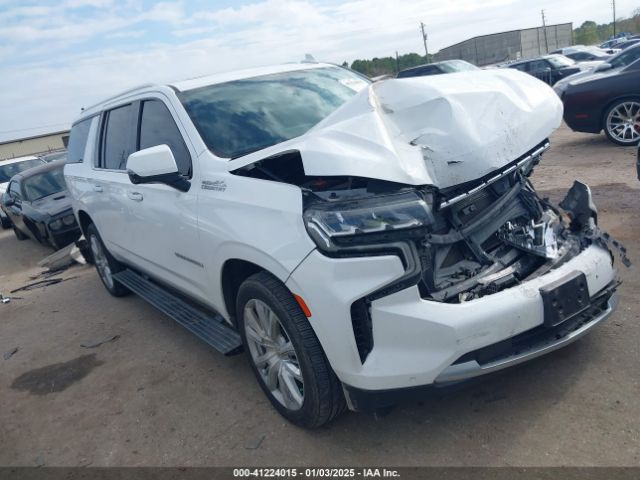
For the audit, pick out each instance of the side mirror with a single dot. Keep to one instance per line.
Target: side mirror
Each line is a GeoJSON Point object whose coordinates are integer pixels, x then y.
{"type": "Point", "coordinates": [156, 165]}
{"type": "Point", "coordinates": [603, 67]}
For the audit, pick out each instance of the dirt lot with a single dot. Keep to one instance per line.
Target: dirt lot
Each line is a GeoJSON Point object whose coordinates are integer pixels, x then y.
{"type": "Point", "coordinates": [158, 396]}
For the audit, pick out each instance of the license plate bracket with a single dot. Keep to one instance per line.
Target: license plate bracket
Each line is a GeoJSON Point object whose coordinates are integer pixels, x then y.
{"type": "Point", "coordinates": [565, 298]}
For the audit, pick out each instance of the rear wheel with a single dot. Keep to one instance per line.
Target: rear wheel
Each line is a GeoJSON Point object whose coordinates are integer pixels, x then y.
{"type": "Point", "coordinates": [5, 222]}
{"type": "Point", "coordinates": [19, 235]}
{"type": "Point", "coordinates": [285, 354]}
{"type": "Point", "coordinates": [622, 122]}
{"type": "Point", "coordinates": [105, 264]}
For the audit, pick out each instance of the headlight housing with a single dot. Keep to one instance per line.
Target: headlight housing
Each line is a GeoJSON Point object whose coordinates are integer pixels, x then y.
{"type": "Point", "coordinates": [359, 220]}
{"type": "Point", "coordinates": [64, 221]}
{"type": "Point", "coordinates": [69, 220]}
{"type": "Point", "coordinates": [56, 224]}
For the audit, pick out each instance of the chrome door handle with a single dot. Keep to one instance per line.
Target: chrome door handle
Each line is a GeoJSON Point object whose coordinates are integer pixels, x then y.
{"type": "Point", "coordinates": [98, 188]}
{"type": "Point", "coordinates": [135, 196]}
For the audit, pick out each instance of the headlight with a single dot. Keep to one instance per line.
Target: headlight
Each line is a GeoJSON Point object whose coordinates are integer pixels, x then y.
{"type": "Point", "coordinates": [56, 224]}
{"type": "Point", "coordinates": [69, 219]}
{"type": "Point", "coordinates": [329, 221]}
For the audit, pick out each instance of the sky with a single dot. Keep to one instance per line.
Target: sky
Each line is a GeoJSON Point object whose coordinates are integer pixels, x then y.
{"type": "Point", "coordinates": [58, 56]}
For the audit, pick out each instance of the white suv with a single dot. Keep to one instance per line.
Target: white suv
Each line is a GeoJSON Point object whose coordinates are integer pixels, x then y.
{"type": "Point", "coordinates": [362, 242]}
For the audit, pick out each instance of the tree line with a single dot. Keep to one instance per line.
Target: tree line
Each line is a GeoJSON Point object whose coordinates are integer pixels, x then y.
{"type": "Point", "coordinates": [591, 33]}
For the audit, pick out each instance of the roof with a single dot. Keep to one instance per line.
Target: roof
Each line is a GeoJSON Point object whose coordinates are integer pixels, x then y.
{"type": "Point", "coordinates": [22, 139]}
{"type": "Point", "coordinates": [527, 60]}
{"type": "Point", "coordinates": [17, 159]}
{"type": "Point", "coordinates": [508, 31]}
{"type": "Point", "coordinates": [38, 170]}
{"type": "Point", "coordinates": [198, 82]}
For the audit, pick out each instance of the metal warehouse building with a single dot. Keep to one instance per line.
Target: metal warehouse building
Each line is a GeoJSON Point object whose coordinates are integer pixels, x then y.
{"type": "Point", "coordinates": [500, 47]}
{"type": "Point", "coordinates": [34, 145]}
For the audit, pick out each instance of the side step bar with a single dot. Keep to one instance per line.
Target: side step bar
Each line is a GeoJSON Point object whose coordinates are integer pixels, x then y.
{"type": "Point", "coordinates": [208, 327]}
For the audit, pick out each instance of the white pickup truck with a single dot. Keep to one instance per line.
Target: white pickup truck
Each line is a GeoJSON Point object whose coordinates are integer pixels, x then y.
{"type": "Point", "coordinates": [361, 241]}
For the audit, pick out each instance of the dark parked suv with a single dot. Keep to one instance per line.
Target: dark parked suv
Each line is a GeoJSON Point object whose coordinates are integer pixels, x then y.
{"type": "Point", "coordinates": [549, 68]}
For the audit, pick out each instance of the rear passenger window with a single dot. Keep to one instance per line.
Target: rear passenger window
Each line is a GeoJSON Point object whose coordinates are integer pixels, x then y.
{"type": "Point", "coordinates": [157, 127]}
{"type": "Point", "coordinates": [116, 139]}
{"type": "Point", "coordinates": [78, 141]}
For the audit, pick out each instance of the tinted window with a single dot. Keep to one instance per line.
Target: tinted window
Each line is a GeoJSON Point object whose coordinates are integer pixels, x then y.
{"type": "Point", "coordinates": [625, 58]}
{"type": "Point", "coordinates": [14, 190]}
{"type": "Point", "coordinates": [419, 72]}
{"type": "Point", "coordinates": [243, 116]}
{"type": "Point", "coordinates": [157, 127]}
{"type": "Point", "coordinates": [117, 138]}
{"type": "Point", "coordinates": [580, 56]}
{"type": "Point", "coordinates": [9, 170]}
{"type": "Point", "coordinates": [78, 141]}
{"type": "Point", "coordinates": [520, 66]}
{"type": "Point", "coordinates": [457, 66]}
{"type": "Point", "coordinates": [537, 66]}
{"type": "Point", "coordinates": [43, 185]}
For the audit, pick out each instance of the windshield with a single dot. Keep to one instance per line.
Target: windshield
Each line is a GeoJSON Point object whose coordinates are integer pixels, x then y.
{"type": "Point", "coordinates": [11, 169]}
{"type": "Point", "coordinates": [43, 185]}
{"type": "Point", "coordinates": [457, 66]}
{"type": "Point", "coordinates": [559, 61]}
{"type": "Point", "coordinates": [240, 117]}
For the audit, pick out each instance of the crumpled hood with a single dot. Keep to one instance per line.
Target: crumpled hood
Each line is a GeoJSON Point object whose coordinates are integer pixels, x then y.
{"type": "Point", "coordinates": [439, 130]}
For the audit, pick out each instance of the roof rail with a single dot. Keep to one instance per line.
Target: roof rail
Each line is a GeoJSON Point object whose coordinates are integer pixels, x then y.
{"type": "Point", "coordinates": [121, 94]}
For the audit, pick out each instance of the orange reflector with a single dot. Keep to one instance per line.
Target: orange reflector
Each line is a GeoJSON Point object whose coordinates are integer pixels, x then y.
{"type": "Point", "coordinates": [303, 305]}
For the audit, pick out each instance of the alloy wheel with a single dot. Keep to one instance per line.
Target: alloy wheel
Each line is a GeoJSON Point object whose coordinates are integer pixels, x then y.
{"type": "Point", "coordinates": [623, 122]}
{"type": "Point", "coordinates": [273, 354]}
{"type": "Point", "coordinates": [101, 261]}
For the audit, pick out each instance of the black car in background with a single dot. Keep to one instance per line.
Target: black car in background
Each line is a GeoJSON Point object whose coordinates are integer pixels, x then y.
{"type": "Point", "coordinates": [628, 43]}
{"type": "Point", "coordinates": [548, 68]}
{"type": "Point", "coordinates": [437, 68]}
{"type": "Point", "coordinates": [39, 206]}
{"type": "Point", "coordinates": [609, 101]}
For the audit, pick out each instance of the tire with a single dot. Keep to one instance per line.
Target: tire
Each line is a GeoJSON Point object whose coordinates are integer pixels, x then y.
{"type": "Point", "coordinates": [319, 398]}
{"type": "Point", "coordinates": [5, 223]}
{"type": "Point", "coordinates": [105, 264]}
{"type": "Point", "coordinates": [19, 235]}
{"type": "Point", "coordinates": [621, 122]}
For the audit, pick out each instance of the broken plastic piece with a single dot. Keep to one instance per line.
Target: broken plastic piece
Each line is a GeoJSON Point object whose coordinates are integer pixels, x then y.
{"type": "Point", "coordinates": [112, 338]}
{"type": "Point", "coordinates": [8, 354]}
{"type": "Point", "coordinates": [579, 203]}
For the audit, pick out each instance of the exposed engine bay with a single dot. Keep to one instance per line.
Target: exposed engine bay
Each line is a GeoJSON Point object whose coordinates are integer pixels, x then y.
{"type": "Point", "coordinates": [456, 244]}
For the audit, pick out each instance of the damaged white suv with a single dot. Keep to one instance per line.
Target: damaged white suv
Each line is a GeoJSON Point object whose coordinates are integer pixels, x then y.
{"type": "Point", "coordinates": [359, 241]}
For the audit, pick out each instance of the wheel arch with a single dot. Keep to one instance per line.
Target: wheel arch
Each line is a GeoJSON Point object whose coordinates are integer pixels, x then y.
{"type": "Point", "coordinates": [234, 272]}
{"type": "Point", "coordinates": [84, 220]}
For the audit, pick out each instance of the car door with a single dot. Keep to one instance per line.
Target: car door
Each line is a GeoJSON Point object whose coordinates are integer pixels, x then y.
{"type": "Point", "coordinates": [541, 69]}
{"type": "Point", "coordinates": [14, 212]}
{"type": "Point", "coordinates": [162, 223]}
{"type": "Point", "coordinates": [109, 179]}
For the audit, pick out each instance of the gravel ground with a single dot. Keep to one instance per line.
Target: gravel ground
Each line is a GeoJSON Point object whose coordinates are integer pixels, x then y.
{"type": "Point", "coordinates": [158, 396]}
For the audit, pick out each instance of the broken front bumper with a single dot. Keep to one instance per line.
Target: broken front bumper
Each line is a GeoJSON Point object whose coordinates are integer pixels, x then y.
{"type": "Point", "coordinates": [418, 342]}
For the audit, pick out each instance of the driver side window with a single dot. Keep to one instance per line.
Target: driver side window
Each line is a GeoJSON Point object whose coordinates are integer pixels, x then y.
{"type": "Point", "coordinates": [14, 190]}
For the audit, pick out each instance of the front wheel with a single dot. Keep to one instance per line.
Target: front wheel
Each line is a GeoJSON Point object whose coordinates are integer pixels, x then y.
{"type": "Point", "coordinates": [5, 223]}
{"type": "Point", "coordinates": [105, 264]}
{"type": "Point", "coordinates": [622, 122]}
{"type": "Point", "coordinates": [285, 354]}
{"type": "Point", "coordinates": [19, 235]}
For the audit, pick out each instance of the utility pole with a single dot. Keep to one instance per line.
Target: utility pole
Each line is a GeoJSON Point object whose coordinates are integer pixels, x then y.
{"type": "Point", "coordinates": [397, 62]}
{"type": "Point", "coordinates": [544, 26]}
{"type": "Point", "coordinates": [613, 3]}
{"type": "Point", "coordinates": [424, 39]}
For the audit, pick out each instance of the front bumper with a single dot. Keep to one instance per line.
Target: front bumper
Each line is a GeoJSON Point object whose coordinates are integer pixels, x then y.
{"type": "Point", "coordinates": [419, 342]}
